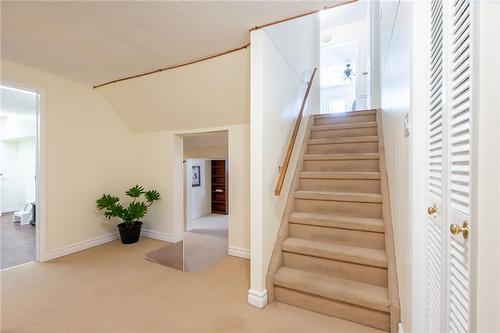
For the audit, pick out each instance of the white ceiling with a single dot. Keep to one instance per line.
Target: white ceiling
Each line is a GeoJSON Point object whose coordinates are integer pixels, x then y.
{"type": "Point", "coordinates": [206, 139]}
{"type": "Point", "coordinates": [18, 102]}
{"type": "Point", "coordinates": [98, 41]}
{"type": "Point", "coordinates": [351, 12]}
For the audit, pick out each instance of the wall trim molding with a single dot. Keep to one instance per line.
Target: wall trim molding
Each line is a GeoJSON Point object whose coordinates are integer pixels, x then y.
{"type": "Point", "coordinates": [400, 328]}
{"type": "Point", "coordinates": [157, 235]}
{"type": "Point", "coordinates": [10, 210]}
{"type": "Point", "coordinates": [87, 244]}
{"type": "Point", "coordinates": [238, 252]}
{"type": "Point", "coordinates": [77, 247]}
{"type": "Point", "coordinates": [257, 298]}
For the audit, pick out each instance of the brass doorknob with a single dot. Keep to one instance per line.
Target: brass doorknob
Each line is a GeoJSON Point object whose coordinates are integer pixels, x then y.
{"type": "Point", "coordinates": [464, 229]}
{"type": "Point", "coordinates": [432, 210]}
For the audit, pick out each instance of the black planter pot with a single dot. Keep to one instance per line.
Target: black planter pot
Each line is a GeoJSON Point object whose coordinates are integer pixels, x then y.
{"type": "Point", "coordinates": [130, 235]}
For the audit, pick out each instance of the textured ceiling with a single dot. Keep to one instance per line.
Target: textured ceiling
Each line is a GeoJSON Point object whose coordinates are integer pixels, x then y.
{"type": "Point", "coordinates": [98, 41]}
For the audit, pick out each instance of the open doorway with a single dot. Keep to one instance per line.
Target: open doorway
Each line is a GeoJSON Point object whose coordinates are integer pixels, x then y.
{"type": "Point", "coordinates": [19, 113]}
{"type": "Point", "coordinates": [345, 58]}
{"type": "Point", "coordinates": [206, 196]}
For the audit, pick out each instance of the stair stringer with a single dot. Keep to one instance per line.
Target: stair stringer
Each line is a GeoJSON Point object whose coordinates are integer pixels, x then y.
{"type": "Point", "coordinates": [392, 278]}
{"type": "Point", "coordinates": [276, 258]}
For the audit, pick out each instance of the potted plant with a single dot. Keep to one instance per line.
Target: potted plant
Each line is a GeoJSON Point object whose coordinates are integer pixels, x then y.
{"type": "Point", "coordinates": [130, 228]}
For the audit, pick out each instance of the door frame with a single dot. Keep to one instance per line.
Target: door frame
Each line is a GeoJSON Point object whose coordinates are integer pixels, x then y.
{"type": "Point", "coordinates": [180, 174]}
{"type": "Point", "coordinates": [40, 183]}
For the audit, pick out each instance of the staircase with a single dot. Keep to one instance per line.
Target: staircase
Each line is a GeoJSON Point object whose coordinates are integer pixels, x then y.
{"type": "Point", "coordinates": [332, 255]}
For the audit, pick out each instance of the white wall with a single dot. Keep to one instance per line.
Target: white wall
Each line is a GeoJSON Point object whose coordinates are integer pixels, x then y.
{"type": "Point", "coordinates": [159, 165]}
{"type": "Point", "coordinates": [280, 65]}
{"type": "Point", "coordinates": [198, 199]}
{"type": "Point", "coordinates": [18, 164]}
{"type": "Point", "coordinates": [486, 288]}
{"type": "Point", "coordinates": [18, 126]}
{"type": "Point", "coordinates": [88, 151]}
{"type": "Point", "coordinates": [91, 151]}
{"type": "Point", "coordinates": [17, 160]}
{"type": "Point", "coordinates": [395, 48]}
{"type": "Point", "coordinates": [206, 94]}
{"type": "Point", "coordinates": [206, 152]}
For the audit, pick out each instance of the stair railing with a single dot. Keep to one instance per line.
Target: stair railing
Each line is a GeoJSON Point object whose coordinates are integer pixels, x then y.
{"type": "Point", "coordinates": [284, 167]}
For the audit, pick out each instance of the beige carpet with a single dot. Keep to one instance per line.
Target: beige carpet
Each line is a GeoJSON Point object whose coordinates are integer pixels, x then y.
{"type": "Point", "coordinates": [170, 255]}
{"type": "Point", "coordinates": [111, 288]}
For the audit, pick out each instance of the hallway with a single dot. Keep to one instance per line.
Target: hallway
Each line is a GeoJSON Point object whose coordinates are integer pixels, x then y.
{"type": "Point", "coordinates": [205, 243]}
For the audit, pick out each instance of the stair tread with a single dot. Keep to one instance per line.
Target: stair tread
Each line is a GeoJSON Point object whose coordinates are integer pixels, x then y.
{"type": "Point", "coordinates": [339, 175]}
{"type": "Point", "coordinates": [331, 250]}
{"type": "Point", "coordinates": [347, 114]}
{"type": "Point", "coordinates": [344, 126]}
{"type": "Point", "coordinates": [347, 139]}
{"type": "Point", "coordinates": [350, 156]}
{"type": "Point", "coordinates": [337, 221]}
{"type": "Point", "coordinates": [348, 291]}
{"type": "Point", "coordinates": [339, 196]}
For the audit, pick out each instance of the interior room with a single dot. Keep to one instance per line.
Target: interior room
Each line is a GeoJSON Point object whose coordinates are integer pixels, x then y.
{"type": "Point", "coordinates": [344, 58]}
{"type": "Point", "coordinates": [250, 166]}
{"type": "Point", "coordinates": [205, 192]}
{"type": "Point", "coordinates": [18, 126]}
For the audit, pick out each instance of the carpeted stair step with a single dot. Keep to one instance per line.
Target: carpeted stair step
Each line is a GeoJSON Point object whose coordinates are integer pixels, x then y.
{"type": "Point", "coordinates": [347, 291]}
{"type": "Point", "coordinates": [345, 118]}
{"type": "Point", "coordinates": [365, 316]}
{"type": "Point", "coordinates": [362, 144]}
{"type": "Point", "coordinates": [337, 221]}
{"type": "Point", "coordinates": [363, 182]}
{"type": "Point", "coordinates": [346, 114]}
{"type": "Point", "coordinates": [368, 128]}
{"type": "Point", "coordinates": [339, 196]}
{"type": "Point", "coordinates": [329, 250]}
{"type": "Point", "coordinates": [353, 162]}
{"type": "Point", "coordinates": [350, 237]}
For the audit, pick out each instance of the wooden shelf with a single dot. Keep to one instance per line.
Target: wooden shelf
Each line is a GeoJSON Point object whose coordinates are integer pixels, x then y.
{"type": "Point", "coordinates": [219, 199]}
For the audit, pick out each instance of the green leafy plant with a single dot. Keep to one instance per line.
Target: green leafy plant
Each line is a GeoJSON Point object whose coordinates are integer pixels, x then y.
{"type": "Point", "coordinates": [134, 211]}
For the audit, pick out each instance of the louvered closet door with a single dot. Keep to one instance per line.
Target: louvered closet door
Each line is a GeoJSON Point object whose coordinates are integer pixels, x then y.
{"type": "Point", "coordinates": [459, 121]}
{"type": "Point", "coordinates": [435, 184]}
{"type": "Point", "coordinates": [449, 167]}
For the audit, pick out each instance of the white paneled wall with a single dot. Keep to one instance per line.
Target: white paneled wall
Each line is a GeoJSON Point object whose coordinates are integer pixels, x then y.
{"type": "Point", "coordinates": [17, 160]}
{"type": "Point", "coordinates": [395, 54]}
{"type": "Point", "coordinates": [282, 60]}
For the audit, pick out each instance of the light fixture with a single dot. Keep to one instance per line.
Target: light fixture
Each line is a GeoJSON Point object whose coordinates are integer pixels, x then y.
{"type": "Point", "coordinates": [348, 73]}
{"type": "Point", "coordinates": [326, 38]}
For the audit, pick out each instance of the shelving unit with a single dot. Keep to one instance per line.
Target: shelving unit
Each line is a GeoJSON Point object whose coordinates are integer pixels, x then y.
{"type": "Point", "coordinates": [219, 187]}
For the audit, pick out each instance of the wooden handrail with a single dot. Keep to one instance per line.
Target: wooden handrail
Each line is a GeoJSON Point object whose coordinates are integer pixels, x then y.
{"type": "Point", "coordinates": [291, 144]}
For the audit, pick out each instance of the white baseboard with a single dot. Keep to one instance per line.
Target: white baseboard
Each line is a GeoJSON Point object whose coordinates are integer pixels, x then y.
{"type": "Point", "coordinates": [238, 252]}
{"type": "Point", "coordinates": [69, 249]}
{"type": "Point", "coordinates": [10, 210]}
{"type": "Point", "coordinates": [158, 235]}
{"type": "Point", "coordinates": [257, 298]}
{"type": "Point", "coordinates": [400, 328]}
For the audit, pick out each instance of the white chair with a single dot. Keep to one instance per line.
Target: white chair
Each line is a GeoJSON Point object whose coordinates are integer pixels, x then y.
{"type": "Point", "coordinates": [24, 216]}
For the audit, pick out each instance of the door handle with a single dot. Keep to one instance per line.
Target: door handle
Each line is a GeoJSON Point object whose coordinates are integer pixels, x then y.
{"type": "Point", "coordinates": [464, 229]}
{"type": "Point", "coordinates": [432, 210]}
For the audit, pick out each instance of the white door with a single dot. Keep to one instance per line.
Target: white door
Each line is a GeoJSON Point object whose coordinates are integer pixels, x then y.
{"type": "Point", "coordinates": [449, 167]}
{"type": "Point", "coordinates": [436, 176]}
{"type": "Point", "coordinates": [459, 165]}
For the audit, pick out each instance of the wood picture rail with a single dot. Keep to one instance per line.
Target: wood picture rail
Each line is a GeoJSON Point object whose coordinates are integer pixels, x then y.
{"type": "Point", "coordinates": [225, 52]}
